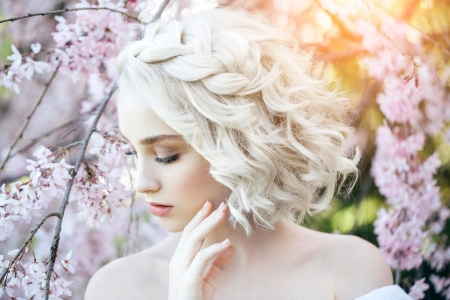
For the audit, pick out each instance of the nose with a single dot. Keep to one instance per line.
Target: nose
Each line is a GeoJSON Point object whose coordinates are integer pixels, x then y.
{"type": "Point", "coordinates": [145, 180]}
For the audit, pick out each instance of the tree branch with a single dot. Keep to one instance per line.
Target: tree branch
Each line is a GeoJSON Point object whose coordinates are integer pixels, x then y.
{"type": "Point", "coordinates": [343, 28]}
{"type": "Point", "coordinates": [404, 18]}
{"type": "Point", "coordinates": [159, 12]}
{"type": "Point", "coordinates": [409, 9]}
{"type": "Point", "coordinates": [336, 55]}
{"type": "Point", "coordinates": [27, 120]}
{"type": "Point", "coordinates": [71, 145]}
{"type": "Point", "coordinates": [69, 9]}
{"type": "Point", "coordinates": [25, 244]}
{"type": "Point", "coordinates": [397, 271]}
{"type": "Point", "coordinates": [44, 135]}
{"type": "Point", "coordinates": [132, 193]}
{"type": "Point", "coordinates": [65, 201]}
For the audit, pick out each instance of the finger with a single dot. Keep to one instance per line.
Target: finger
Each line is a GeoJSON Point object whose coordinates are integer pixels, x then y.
{"type": "Point", "coordinates": [197, 235]}
{"type": "Point", "coordinates": [200, 261]}
{"type": "Point", "coordinates": [216, 269]}
{"type": "Point", "coordinates": [193, 242]}
{"type": "Point", "coordinates": [196, 220]}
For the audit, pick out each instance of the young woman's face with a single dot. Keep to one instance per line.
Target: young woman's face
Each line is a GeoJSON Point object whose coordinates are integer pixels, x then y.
{"type": "Point", "coordinates": [169, 172]}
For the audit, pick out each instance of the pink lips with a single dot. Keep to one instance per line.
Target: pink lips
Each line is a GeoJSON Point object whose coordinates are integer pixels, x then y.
{"type": "Point", "coordinates": [160, 210]}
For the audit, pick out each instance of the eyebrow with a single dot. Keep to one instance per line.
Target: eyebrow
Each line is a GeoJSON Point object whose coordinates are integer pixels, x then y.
{"type": "Point", "coordinates": [154, 139]}
{"type": "Point", "coordinates": [159, 138]}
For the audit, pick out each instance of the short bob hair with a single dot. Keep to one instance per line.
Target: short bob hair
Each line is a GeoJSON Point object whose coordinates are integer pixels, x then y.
{"type": "Point", "coordinates": [242, 94]}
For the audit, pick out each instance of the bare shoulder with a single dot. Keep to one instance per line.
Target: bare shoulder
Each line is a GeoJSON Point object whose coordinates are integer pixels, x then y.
{"type": "Point", "coordinates": [133, 277]}
{"type": "Point", "coordinates": [357, 265]}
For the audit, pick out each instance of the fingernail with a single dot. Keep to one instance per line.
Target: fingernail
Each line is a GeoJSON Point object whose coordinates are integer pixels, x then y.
{"type": "Point", "coordinates": [205, 205]}
{"type": "Point", "coordinates": [227, 241]}
{"type": "Point", "coordinates": [219, 210]}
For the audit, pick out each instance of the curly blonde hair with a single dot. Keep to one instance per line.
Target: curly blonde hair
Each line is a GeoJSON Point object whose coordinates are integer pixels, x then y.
{"type": "Point", "coordinates": [242, 94]}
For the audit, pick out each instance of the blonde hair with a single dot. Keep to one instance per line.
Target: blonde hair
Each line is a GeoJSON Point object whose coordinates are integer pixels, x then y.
{"type": "Point", "coordinates": [242, 95]}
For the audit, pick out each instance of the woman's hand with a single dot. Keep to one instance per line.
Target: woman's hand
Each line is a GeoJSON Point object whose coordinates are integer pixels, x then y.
{"type": "Point", "coordinates": [187, 277]}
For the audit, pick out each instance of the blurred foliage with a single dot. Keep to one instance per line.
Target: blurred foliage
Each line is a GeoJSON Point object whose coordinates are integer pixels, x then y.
{"type": "Point", "coordinates": [339, 47]}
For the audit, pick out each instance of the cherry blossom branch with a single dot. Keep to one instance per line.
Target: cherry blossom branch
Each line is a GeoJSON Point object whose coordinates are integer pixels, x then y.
{"type": "Point", "coordinates": [159, 12]}
{"type": "Point", "coordinates": [44, 135]}
{"type": "Point", "coordinates": [430, 39]}
{"type": "Point", "coordinates": [344, 29]}
{"type": "Point", "coordinates": [409, 9]}
{"type": "Point", "coordinates": [349, 53]}
{"type": "Point", "coordinates": [69, 9]}
{"type": "Point", "coordinates": [85, 141]}
{"type": "Point", "coordinates": [53, 130]}
{"type": "Point", "coordinates": [71, 145]}
{"type": "Point", "coordinates": [132, 193]}
{"type": "Point", "coordinates": [25, 244]}
{"type": "Point", "coordinates": [397, 271]}
{"type": "Point", "coordinates": [28, 118]}
{"type": "Point", "coordinates": [426, 36]}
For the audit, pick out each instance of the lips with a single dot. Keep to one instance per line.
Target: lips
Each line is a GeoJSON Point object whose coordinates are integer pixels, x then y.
{"type": "Point", "coordinates": [159, 204]}
{"type": "Point", "coordinates": [160, 210]}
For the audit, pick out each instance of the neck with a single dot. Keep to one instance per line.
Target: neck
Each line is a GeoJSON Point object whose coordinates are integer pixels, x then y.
{"type": "Point", "coordinates": [261, 243]}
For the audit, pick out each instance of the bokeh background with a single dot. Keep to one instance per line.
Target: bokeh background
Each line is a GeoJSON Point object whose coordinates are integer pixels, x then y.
{"type": "Point", "coordinates": [329, 28]}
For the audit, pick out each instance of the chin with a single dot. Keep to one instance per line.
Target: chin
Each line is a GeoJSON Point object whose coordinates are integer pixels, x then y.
{"type": "Point", "coordinates": [172, 225]}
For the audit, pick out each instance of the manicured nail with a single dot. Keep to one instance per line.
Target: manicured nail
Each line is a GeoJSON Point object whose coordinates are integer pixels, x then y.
{"type": "Point", "coordinates": [221, 207]}
{"type": "Point", "coordinates": [227, 241]}
{"type": "Point", "coordinates": [205, 205]}
{"type": "Point", "coordinates": [218, 211]}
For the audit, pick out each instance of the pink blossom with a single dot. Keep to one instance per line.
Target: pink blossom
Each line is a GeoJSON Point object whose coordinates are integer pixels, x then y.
{"type": "Point", "coordinates": [417, 290]}
{"type": "Point", "coordinates": [67, 263]}
{"type": "Point", "coordinates": [439, 283]}
{"type": "Point", "coordinates": [36, 48]}
{"type": "Point", "coordinates": [16, 57]}
{"type": "Point", "coordinates": [12, 79]}
{"type": "Point", "coordinates": [32, 66]}
{"type": "Point", "coordinates": [94, 38]}
{"type": "Point", "coordinates": [400, 103]}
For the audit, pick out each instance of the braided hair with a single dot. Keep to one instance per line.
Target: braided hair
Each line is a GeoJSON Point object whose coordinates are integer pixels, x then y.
{"type": "Point", "coordinates": [243, 95]}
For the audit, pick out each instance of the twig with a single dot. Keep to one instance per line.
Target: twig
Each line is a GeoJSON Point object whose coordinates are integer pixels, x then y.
{"type": "Point", "coordinates": [65, 201]}
{"type": "Point", "coordinates": [27, 120]}
{"type": "Point", "coordinates": [69, 9]}
{"type": "Point", "coordinates": [159, 12]}
{"type": "Point", "coordinates": [72, 130]}
{"type": "Point", "coordinates": [409, 9]}
{"type": "Point", "coordinates": [403, 212]}
{"type": "Point", "coordinates": [344, 29]}
{"type": "Point", "coordinates": [397, 271]}
{"type": "Point", "coordinates": [25, 244]}
{"type": "Point", "coordinates": [339, 55]}
{"type": "Point", "coordinates": [44, 135]}
{"type": "Point", "coordinates": [131, 210]}
{"type": "Point", "coordinates": [404, 19]}
{"type": "Point", "coordinates": [71, 145]}
{"type": "Point", "coordinates": [92, 128]}
{"type": "Point", "coordinates": [53, 130]}
{"type": "Point", "coordinates": [430, 39]}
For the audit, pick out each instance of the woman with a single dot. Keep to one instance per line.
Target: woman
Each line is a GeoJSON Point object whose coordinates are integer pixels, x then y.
{"type": "Point", "coordinates": [234, 139]}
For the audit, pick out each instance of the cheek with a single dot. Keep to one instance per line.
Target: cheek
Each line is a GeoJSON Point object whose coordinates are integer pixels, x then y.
{"type": "Point", "coordinates": [195, 179]}
{"type": "Point", "coordinates": [194, 185]}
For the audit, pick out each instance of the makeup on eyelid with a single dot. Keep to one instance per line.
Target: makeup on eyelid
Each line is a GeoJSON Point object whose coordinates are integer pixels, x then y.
{"type": "Point", "coordinates": [174, 178]}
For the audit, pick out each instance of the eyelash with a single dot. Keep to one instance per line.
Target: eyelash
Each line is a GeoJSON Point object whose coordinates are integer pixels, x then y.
{"type": "Point", "coordinates": [167, 160]}
{"type": "Point", "coordinates": [161, 160]}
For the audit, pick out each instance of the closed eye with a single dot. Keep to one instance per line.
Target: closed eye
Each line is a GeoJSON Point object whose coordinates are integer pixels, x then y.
{"type": "Point", "coordinates": [129, 152]}
{"type": "Point", "coordinates": [167, 160]}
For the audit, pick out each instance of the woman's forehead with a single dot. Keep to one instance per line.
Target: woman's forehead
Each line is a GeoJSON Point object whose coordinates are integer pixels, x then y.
{"type": "Point", "coordinates": [137, 121]}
